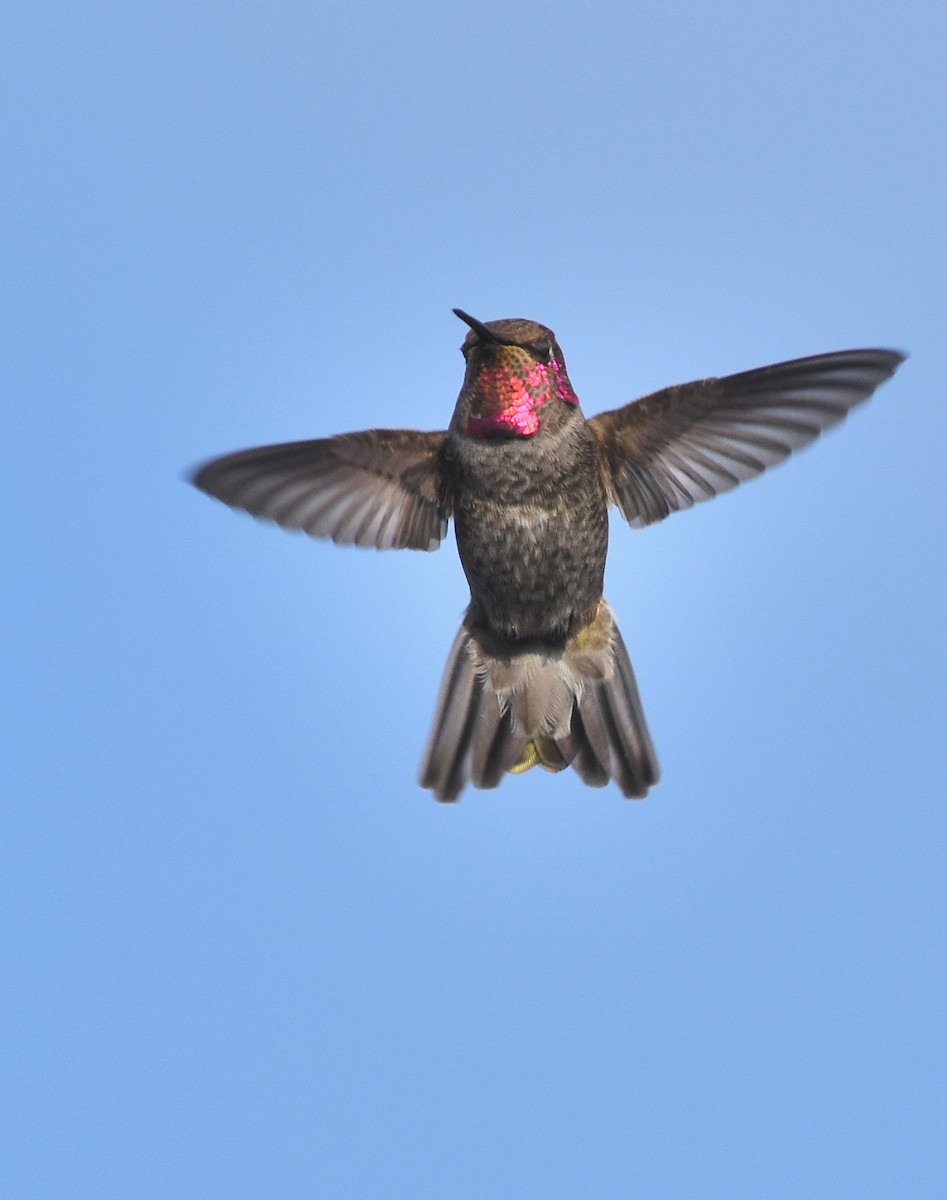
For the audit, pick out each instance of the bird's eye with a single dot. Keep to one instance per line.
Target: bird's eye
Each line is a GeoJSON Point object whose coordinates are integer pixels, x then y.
{"type": "Point", "coordinates": [541, 350]}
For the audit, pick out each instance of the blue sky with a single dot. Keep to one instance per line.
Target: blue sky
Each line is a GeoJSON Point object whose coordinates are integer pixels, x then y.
{"type": "Point", "coordinates": [243, 954]}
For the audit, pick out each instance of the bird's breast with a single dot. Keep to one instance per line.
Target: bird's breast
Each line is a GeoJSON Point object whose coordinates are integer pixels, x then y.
{"type": "Point", "coordinates": [532, 534]}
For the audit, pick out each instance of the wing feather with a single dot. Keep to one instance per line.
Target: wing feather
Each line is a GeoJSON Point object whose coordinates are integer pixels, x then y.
{"type": "Point", "coordinates": [382, 487]}
{"type": "Point", "coordinates": [688, 443]}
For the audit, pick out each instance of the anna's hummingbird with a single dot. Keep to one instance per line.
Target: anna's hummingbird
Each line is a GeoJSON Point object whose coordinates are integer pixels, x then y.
{"type": "Point", "coordinates": [538, 673]}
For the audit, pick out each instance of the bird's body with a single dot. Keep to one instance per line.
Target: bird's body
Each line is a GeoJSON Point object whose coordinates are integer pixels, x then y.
{"type": "Point", "coordinates": [531, 519]}
{"type": "Point", "coordinates": [538, 673]}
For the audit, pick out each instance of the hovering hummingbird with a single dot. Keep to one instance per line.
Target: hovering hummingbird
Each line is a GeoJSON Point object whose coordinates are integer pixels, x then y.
{"type": "Point", "coordinates": [538, 673]}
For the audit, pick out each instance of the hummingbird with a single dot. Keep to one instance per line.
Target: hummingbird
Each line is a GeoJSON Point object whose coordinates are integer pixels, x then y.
{"type": "Point", "coordinates": [538, 673]}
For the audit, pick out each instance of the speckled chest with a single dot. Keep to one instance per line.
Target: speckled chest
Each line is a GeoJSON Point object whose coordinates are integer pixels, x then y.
{"type": "Point", "coordinates": [532, 528]}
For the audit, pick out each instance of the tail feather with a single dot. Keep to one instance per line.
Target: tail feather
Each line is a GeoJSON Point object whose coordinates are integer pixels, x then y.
{"type": "Point", "coordinates": [444, 768]}
{"type": "Point", "coordinates": [496, 744]}
{"type": "Point", "coordinates": [614, 722]}
{"type": "Point", "coordinates": [473, 737]}
{"type": "Point", "coordinates": [587, 752]}
{"type": "Point", "coordinates": [505, 709]}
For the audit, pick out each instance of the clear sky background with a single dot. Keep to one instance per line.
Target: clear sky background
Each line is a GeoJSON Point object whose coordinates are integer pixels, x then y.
{"type": "Point", "coordinates": [243, 954]}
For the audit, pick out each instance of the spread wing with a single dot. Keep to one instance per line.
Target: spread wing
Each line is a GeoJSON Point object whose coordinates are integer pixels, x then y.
{"type": "Point", "coordinates": [379, 488]}
{"type": "Point", "coordinates": [684, 444]}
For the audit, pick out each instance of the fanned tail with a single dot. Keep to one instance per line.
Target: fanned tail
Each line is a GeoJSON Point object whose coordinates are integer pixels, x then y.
{"type": "Point", "coordinates": [503, 709]}
{"type": "Point", "coordinates": [472, 738]}
{"type": "Point", "coordinates": [610, 738]}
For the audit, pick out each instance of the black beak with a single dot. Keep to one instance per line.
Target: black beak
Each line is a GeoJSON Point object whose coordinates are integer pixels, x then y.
{"type": "Point", "coordinates": [482, 332]}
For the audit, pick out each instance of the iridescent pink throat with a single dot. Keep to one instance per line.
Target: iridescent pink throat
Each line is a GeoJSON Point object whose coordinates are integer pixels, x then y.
{"type": "Point", "coordinates": [508, 402]}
